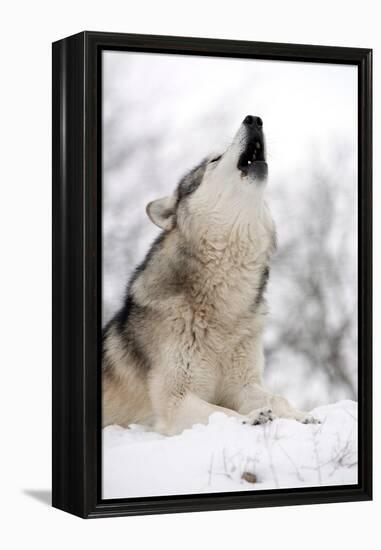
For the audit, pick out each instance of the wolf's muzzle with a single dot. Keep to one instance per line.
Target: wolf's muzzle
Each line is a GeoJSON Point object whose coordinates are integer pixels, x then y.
{"type": "Point", "coordinates": [252, 159]}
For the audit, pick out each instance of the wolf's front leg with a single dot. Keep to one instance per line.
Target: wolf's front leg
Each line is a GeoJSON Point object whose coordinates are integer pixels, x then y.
{"type": "Point", "coordinates": [253, 398]}
{"type": "Point", "coordinates": [180, 412]}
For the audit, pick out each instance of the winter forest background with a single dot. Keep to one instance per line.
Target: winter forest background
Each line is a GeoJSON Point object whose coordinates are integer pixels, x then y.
{"type": "Point", "coordinates": [163, 113]}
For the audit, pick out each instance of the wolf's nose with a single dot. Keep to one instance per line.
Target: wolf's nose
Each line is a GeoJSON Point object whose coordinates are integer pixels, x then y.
{"type": "Point", "coordinates": [253, 121]}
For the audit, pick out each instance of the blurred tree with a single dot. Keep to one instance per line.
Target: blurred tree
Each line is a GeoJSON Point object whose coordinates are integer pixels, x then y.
{"type": "Point", "coordinates": [315, 317]}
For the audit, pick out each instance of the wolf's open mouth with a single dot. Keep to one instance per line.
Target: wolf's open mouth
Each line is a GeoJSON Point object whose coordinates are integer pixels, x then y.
{"type": "Point", "coordinates": [253, 153]}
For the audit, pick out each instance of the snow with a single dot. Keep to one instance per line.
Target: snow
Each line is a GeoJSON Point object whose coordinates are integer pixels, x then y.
{"type": "Point", "coordinates": [212, 458]}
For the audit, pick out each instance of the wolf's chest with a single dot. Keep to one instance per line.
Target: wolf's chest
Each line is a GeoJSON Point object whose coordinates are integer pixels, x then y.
{"type": "Point", "coordinates": [207, 335]}
{"type": "Point", "coordinates": [213, 350]}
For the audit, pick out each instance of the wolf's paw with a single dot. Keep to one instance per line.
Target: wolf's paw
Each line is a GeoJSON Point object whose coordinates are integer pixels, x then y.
{"type": "Point", "coordinates": [259, 416]}
{"type": "Point", "coordinates": [309, 419]}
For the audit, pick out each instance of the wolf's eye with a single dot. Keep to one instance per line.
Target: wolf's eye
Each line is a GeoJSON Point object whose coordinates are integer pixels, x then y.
{"type": "Point", "coordinates": [216, 159]}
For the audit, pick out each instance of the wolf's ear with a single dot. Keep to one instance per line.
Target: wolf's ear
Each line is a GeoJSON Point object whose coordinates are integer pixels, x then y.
{"type": "Point", "coordinates": [162, 212]}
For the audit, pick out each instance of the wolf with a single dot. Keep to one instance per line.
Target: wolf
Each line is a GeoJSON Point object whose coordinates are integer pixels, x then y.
{"type": "Point", "coordinates": [187, 341]}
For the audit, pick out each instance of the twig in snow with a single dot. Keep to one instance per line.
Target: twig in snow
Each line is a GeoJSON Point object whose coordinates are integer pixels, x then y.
{"type": "Point", "coordinates": [297, 470]}
{"type": "Point", "coordinates": [271, 463]}
{"type": "Point", "coordinates": [211, 470]}
{"type": "Point", "coordinates": [318, 467]}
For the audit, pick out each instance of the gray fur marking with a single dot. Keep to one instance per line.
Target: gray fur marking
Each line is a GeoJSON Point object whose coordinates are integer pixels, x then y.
{"type": "Point", "coordinates": [191, 181]}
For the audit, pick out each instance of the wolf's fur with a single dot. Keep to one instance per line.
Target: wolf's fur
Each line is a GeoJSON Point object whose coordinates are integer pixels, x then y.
{"type": "Point", "coordinates": [188, 340]}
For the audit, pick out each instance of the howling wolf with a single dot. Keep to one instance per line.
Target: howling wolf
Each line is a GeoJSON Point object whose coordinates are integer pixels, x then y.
{"type": "Point", "coordinates": [187, 341]}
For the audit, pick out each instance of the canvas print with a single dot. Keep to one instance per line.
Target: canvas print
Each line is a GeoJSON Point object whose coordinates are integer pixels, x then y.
{"type": "Point", "coordinates": [229, 274]}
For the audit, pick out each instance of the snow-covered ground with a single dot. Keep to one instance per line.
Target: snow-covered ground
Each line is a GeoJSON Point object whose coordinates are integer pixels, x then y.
{"type": "Point", "coordinates": [219, 456]}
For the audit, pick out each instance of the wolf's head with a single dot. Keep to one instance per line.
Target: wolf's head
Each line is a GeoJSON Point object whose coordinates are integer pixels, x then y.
{"type": "Point", "coordinates": [223, 193]}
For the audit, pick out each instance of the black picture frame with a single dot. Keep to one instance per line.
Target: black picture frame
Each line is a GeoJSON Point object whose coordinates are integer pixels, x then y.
{"type": "Point", "coordinates": [77, 146]}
